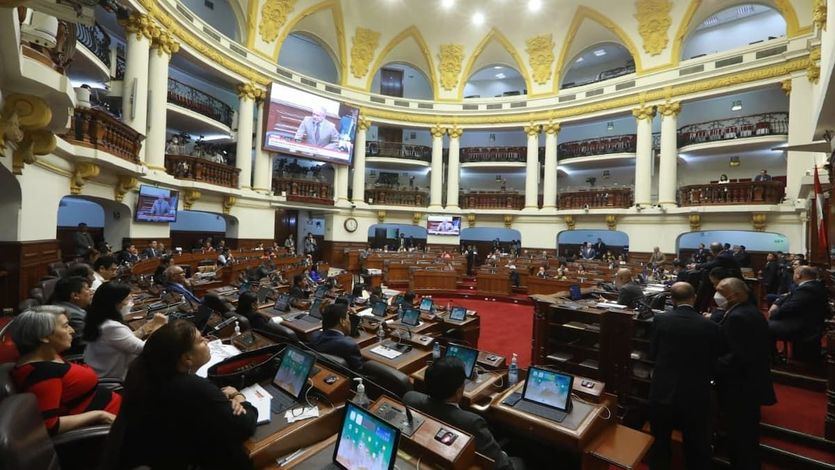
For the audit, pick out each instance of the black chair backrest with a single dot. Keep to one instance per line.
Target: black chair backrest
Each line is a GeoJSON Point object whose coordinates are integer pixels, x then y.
{"type": "Point", "coordinates": [36, 293]}
{"type": "Point", "coordinates": [279, 333]}
{"type": "Point", "coordinates": [48, 287]}
{"type": "Point", "coordinates": [27, 304]}
{"type": "Point", "coordinates": [24, 443]}
{"type": "Point", "coordinates": [387, 377]}
{"type": "Point", "coordinates": [330, 358]}
{"type": "Point", "coordinates": [7, 387]}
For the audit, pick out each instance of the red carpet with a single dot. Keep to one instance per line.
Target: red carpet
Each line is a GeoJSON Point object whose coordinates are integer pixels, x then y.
{"type": "Point", "coordinates": [797, 409]}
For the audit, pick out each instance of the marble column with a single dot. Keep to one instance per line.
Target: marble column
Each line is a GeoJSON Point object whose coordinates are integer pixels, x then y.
{"type": "Point", "coordinates": [163, 47]}
{"type": "Point", "coordinates": [668, 168]}
{"type": "Point", "coordinates": [262, 171]}
{"type": "Point", "coordinates": [549, 190]}
{"type": "Point", "coordinates": [436, 182]}
{"type": "Point", "coordinates": [532, 168]}
{"type": "Point", "coordinates": [801, 131]}
{"type": "Point", "coordinates": [643, 158]}
{"type": "Point", "coordinates": [247, 94]}
{"type": "Point", "coordinates": [453, 169]}
{"type": "Point", "coordinates": [358, 196]}
{"type": "Point", "coordinates": [139, 29]}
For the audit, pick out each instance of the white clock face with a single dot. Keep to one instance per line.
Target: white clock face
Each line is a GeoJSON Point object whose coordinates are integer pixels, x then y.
{"type": "Point", "coordinates": [351, 224]}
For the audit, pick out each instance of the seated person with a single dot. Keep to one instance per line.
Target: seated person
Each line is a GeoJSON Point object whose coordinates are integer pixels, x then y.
{"type": "Point", "coordinates": [334, 338]}
{"type": "Point", "coordinates": [173, 418]}
{"type": "Point", "coordinates": [248, 308]}
{"type": "Point", "coordinates": [445, 384]}
{"type": "Point", "coordinates": [68, 394]}
{"type": "Point", "coordinates": [175, 281]}
{"type": "Point", "coordinates": [111, 345]}
{"type": "Point", "coordinates": [298, 291]}
{"type": "Point", "coordinates": [376, 295]}
{"type": "Point", "coordinates": [314, 275]}
{"type": "Point", "coordinates": [540, 273]}
{"type": "Point", "coordinates": [629, 293]}
{"type": "Point", "coordinates": [408, 299]}
{"type": "Point", "coordinates": [73, 294]}
{"type": "Point", "coordinates": [164, 263]}
{"type": "Point", "coordinates": [103, 270]}
{"type": "Point", "coordinates": [225, 257]}
{"type": "Point", "coordinates": [801, 314]}
{"type": "Point", "coordinates": [128, 255]}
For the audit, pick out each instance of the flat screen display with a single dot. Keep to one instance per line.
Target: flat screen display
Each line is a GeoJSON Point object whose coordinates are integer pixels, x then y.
{"type": "Point", "coordinates": [411, 317]}
{"type": "Point", "coordinates": [321, 291]}
{"type": "Point", "coordinates": [293, 371]}
{"type": "Point", "coordinates": [156, 204]}
{"type": "Point", "coordinates": [379, 308]}
{"type": "Point", "coordinates": [443, 225]}
{"type": "Point", "coordinates": [365, 441]}
{"type": "Point", "coordinates": [548, 388]}
{"type": "Point", "coordinates": [467, 355]}
{"type": "Point", "coordinates": [310, 126]}
{"type": "Point", "coordinates": [282, 302]}
{"type": "Point", "coordinates": [426, 304]}
{"type": "Point", "coordinates": [315, 309]}
{"type": "Point", "coordinates": [458, 314]}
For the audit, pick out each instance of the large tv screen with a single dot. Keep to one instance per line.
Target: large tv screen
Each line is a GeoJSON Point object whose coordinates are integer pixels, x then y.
{"type": "Point", "coordinates": [303, 124]}
{"type": "Point", "coordinates": [156, 204]}
{"type": "Point", "coordinates": [443, 225]}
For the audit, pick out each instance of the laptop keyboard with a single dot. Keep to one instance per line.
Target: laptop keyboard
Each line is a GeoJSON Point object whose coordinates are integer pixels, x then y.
{"type": "Point", "coordinates": [540, 410]}
{"type": "Point", "coordinates": [280, 402]}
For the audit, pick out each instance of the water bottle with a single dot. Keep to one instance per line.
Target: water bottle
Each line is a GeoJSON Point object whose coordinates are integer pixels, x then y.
{"type": "Point", "coordinates": [400, 311]}
{"type": "Point", "coordinates": [237, 329]}
{"type": "Point", "coordinates": [361, 399]}
{"type": "Point", "coordinates": [381, 333]}
{"type": "Point", "coordinates": [513, 372]}
{"type": "Point", "coordinates": [436, 351]}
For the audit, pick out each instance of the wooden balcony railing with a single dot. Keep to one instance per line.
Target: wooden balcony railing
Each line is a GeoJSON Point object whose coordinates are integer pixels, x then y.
{"type": "Point", "coordinates": [755, 125]}
{"type": "Point", "coordinates": [492, 200]}
{"type": "Point", "coordinates": [199, 102]}
{"type": "Point", "coordinates": [100, 130]}
{"type": "Point", "coordinates": [742, 192]}
{"type": "Point", "coordinates": [396, 197]}
{"type": "Point", "coordinates": [597, 198]}
{"type": "Point", "coordinates": [398, 150]}
{"type": "Point", "coordinates": [599, 146]}
{"type": "Point", "coordinates": [495, 154]}
{"type": "Point", "coordinates": [307, 191]}
{"type": "Point", "coordinates": [186, 167]}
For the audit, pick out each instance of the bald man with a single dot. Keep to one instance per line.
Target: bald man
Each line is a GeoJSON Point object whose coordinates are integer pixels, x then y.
{"type": "Point", "coordinates": [317, 130]}
{"type": "Point", "coordinates": [800, 315]}
{"type": "Point", "coordinates": [629, 293]}
{"type": "Point", "coordinates": [684, 346]}
{"type": "Point", "coordinates": [743, 373]}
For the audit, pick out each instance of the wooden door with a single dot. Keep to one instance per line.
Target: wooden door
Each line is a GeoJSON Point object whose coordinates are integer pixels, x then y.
{"type": "Point", "coordinates": [391, 82]}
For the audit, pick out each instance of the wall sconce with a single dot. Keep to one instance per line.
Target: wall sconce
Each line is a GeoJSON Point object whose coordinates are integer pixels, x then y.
{"type": "Point", "coordinates": [610, 126]}
{"type": "Point", "coordinates": [736, 105]}
{"type": "Point", "coordinates": [734, 162]}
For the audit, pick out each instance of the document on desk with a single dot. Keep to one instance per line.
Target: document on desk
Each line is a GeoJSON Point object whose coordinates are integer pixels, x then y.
{"type": "Point", "coordinates": [609, 305]}
{"type": "Point", "coordinates": [293, 415]}
{"type": "Point", "coordinates": [260, 398]}
{"type": "Point", "coordinates": [388, 353]}
{"type": "Point", "coordinates": [219, 352]}
{"type": "Point", "coordinates": [365, 313]}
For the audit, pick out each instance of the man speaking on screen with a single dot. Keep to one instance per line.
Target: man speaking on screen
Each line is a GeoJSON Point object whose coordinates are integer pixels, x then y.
{"type": "Point", "coordinates": [318, 131]}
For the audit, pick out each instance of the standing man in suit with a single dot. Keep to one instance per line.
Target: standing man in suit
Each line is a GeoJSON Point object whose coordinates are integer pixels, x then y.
{"type": "Point", "coordinates": [742, 257]}
{"type": "Point", "coordinates": [318, 131]}
{"type": "Point", "coordinates": [153, 250]}
{"type": "Point", "coordinates": [445, 384]}
{"type": "Point", "coordinates": [763, 176]}
{"type": "Point", "coordinates": [800, 315]}
{"type": "Point", "coordinates": [743, 373]}
{"type": "Point", "coordinates": [771, 274]}
{"type": "Point", "coordinates": [334, 338]}
{"type": "Point", "coordinates": [83, 241]}
{"type": "Point", "coordinates": [684, 346]}
{"type": "Point", "coordinates": [721, 259]}
{"type": "Point", "coordinates": [629, 293]}
{"type": "Point", "coordinates": [600, 248]}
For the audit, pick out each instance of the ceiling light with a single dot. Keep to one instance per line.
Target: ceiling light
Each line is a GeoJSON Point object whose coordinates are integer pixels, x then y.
{"type": "Point", "coordinates": [737, 105]}
{"type": "Point", "coordinates": [600, 52]}
{"type": "Point", "coordinates": [534, 5]}
{"type": "Point", "coordinates": [447, 4]}
{"type": "Point", "coordinates": [478, 18]}
{"type": "Point", "coordinates": [500, 75]}
{"type": "Point", "coordinates": [579, 59]}
{"type": "Point", "coordinates": [497, 67]}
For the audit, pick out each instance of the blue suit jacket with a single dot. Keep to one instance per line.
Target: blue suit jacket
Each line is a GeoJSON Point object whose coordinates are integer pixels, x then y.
{"type": "Point", "coordinates": [172, 287]}
{"type": "Point", "coordinates": [337, 344]}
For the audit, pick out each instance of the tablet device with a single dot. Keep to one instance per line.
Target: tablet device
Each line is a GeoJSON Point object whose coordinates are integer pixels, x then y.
{"type": "Point", "coordinates": [365, 441]}
{"type": "Point", "coordinates": [379, 308]}
{"type": "Point", "coordinates": [425, 304]}
{"type": "Point", "coordinates": [411, 317]}
{"type": "Point", "coordinates": [458, 314]}
{"type": "Point", "coordinates": [467, 355]}
{"type": "Point", "coordinates": [549, 388]}
{"type": "Point", "coordinates": [282, 303]}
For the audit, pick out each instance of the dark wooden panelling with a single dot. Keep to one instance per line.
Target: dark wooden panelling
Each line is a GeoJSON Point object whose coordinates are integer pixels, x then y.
{"type": "Point", "coordinates": [188, 240]}
{"type": "Point", "coordinates": [286, 222]}
{"type": "Point", "coordinates": [248, 243]}
{"type": "Point", "coordinates": [66, 241]}
{"type": "Point", "coordinates": [334, 252]}
{"type": "Point", "coordinates": [26, 263]}
{"type": "Point", "coordinates": [142, 243]}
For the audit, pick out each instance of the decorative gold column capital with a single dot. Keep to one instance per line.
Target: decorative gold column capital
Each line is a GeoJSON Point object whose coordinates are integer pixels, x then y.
{"type": "Point", "coordinates": [165, 43]}
{"type": "Point", "coordinates": [455, 132]}
{"type": "Point", "coordinates": [570, 222]}
{"type": "Point", "coordinates": [819, 14]}
{"type": "Point", "coordinates": [250, 90]}
{"type": "Point", "coordinates": [381, 216]}
{"type": "Point", "coordinates": [228, 203]}
{"type": "Point", "coordinates": [508, 220]}
{"type": "Point", "coordinates": [758, 221]}
{"type": "Point", "coordinates": [644, 112]}
{"type": "Point", "coordinates": [695, 220]}
{"type": "Point", "coordinates": [140, 25]}
{"type": "Point", "coordinates": [437, 131]}
{"type": "Point", "coordinates": [786, 86]}
{"type": "Point", "coordinates": [471, 220]}
{"type": "Point", "coordinates": [551, 128]}
{"type": "Point", "coordinates": [190, 196]}
{"type": "Point", "coordinates": [416, 218]}
{"type": "Point", "coordinates": [612, 222]}
{"type": "Point", "coordinates": [670, 108]}
{"type": "Point", "coordinates": [23, 123]}
{"type": "Point", "coordinates": [532, 130]}
{"type": "Point", "coordinates": [125, 184]}
{"type": "Point", "coordinates": [363, 123]}
{"type": "Point", "coordinates": [813, 72]}
{"type": "Point", "coordinates": [83, 171]}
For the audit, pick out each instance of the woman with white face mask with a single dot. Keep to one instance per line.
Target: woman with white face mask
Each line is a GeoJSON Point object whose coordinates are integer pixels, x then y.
{"type": "Point", "coordinates": [110, 344]}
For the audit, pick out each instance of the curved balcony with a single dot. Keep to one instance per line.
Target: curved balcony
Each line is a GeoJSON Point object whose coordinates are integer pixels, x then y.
{"type": "Point", "coordinates": [304, 190]}
{"type": "Point", "coordinates": [186, 167]}
{"type": "Point", "coordinates": [396, 197]}
{"type": "Point", "coordinates": [603, 198]}
{"type": "Point", "coordinates": [195, 100]}
{"type": "Point", "coordinates": [100, 130]}
{"type": "Point", "coordinates": [603, 76]}
{"type": "Point", "coordinates": [510, 200]}
{"type": "Point", "coordinates": [96, 40]}
{"type": "Point", "coordinates": [600, 146]}
{"type": "Point", "coordinates": [732, 193]}
{"type": "Point", "coordinates": [396, 152]}
{"type": "Point", "coordinates": [756, 125]}
{"type": "Point", "coordinates": [495, 156]}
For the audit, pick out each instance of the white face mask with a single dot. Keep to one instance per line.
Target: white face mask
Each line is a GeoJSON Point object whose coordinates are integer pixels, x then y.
{"type": "Point", "coordinates": [126, 309]}
{"type": "Point", "coordinates": [720, 300]}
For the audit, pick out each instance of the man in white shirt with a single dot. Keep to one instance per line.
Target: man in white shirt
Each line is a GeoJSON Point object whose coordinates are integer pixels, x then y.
{"type": "Point", "coordinates": [104, 270]}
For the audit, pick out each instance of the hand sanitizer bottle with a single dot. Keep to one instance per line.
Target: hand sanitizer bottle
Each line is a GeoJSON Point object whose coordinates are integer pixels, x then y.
{"type": "Point", "coordinates": [513, 372]}
{"type": "Point", "coordinates": [361, 399]}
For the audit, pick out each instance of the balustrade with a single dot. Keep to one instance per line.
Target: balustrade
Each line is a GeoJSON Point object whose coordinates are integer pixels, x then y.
{"type": "Point", "coordinates": [599, 146]}
{"type": "Point", "coordinates": [307, 191]}
{"type": "Point", "coordinates": [396, 197]}
{"type": "Point", "coordinates": [398, 150]}
{"type": "Point", "coordinates": [755, 125]}
{"type": "Point", "coordinates": [596, 198]}
{"type": "Point", "coordinates": [186, 167]}
{"type": "Point", "coordinates": [603, 76]}
{"type": "Point", "coordinates": [199, 102]}
{"type": "Point", "coordinates": [492, 200]}
{"type": "Point", "coordinates": [739, 192]}
{"type": "Point", "coordinates": [495, 154]}
{"type": "Point", "coordinates": [96, 39]}
{"type": "Point", "coordinates": [100, 130]}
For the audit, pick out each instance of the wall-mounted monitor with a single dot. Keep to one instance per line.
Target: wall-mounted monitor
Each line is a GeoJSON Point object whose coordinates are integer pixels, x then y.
{"type": "Point", "coordinates": [157, 204]}
{"type": "Point", "coordinates": [310, 126]}
{"type": "Point", "coordinates": [443, 225]}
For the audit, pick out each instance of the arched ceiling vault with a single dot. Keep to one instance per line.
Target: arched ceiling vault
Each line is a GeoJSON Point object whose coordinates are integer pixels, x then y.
{"type": "Point", "coordinates": [488, 52]}
{"type": "Point", "coordinates": [407, 47]}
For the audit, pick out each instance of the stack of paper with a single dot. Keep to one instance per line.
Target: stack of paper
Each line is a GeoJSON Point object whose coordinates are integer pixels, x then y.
{"type": "Point", "coordinates": [219, 352]}
{"type": "Point", "coordinates": [386, 352]}
{"type": "Point", "coordinates": [260, 398]}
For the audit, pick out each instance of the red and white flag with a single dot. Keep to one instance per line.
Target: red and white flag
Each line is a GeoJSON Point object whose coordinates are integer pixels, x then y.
{"type": "Point", "coordinates": [823, 239]}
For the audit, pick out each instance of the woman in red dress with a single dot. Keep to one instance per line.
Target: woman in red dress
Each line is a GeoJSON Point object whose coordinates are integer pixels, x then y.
{"type": "Point", "coordinates": [68, 394]}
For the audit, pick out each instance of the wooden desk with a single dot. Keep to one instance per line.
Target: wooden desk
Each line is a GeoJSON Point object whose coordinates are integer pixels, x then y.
{"type": "Point", "coordinates": [302, 328]}
{"type": "Point", "coordinates": [474, 390]}
{"type": "Point", "coordinates": [423, 280]}
{"type": "Point", "coordinates": [469, 329]}
{"type": "Point", "coordinates": [494, 283]}
{"type": "Point", "coordinates": [537, 285]}
{"type": "Point", "coordinates": [406, 363]}
{"type": "Point", "coordinates": [617, 445]}
{"type": "Point", "coordinates": [397, 272]}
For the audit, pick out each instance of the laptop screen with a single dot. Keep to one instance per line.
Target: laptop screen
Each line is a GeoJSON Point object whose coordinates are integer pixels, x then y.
{"type": "Point", "coordinates": [365, 441]}
{"type": "Point", "coordinates": [293, 371]}
{"type": "Point", "coordinates": [467, 355]}
{"type": "Point", "coordinates": [321, 291]}
{"type": "Point", "coordinates": [244, 287]}
{"type": "Point", "coordinates": [379, 308]}
{"type": "Point", "coordinates": [458, 314]}
{"type": "Point", "coordinates": [315, 308]}
{"type": "Point", "coordinates": [426, 304]}
{"type": "Point", "coordinates": [548, 388]}
{"type": "Point", "coordinates": [282, 302]}
{"type": "Point", "coordinates": [411, 317]}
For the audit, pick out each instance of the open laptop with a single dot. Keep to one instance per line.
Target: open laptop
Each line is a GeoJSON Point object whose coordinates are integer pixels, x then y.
{"type": "Point", "coordinates": [321, 291]}
{"type": "Point", "coordinates": [263, 293]}
{"type": "Point", "coordinates": [547, 394]}
{"type": "Point", "coordinates": [457, 315]}
{"type": "Point", "coordinates": [314, 314]}
{"type": "Point", "coordinates": [467, 355]}
{"type": "Point", "coordinates": [425, 305]}
{"type": "Point", "coordinates": [289, 382]}
{"type": "Point", "coordinates": [365, 441]}
{"type": "Point", "coordinates": [282, 303]}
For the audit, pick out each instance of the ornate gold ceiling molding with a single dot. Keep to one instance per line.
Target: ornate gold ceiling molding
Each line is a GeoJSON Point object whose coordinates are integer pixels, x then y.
{"type": "Point", "coordinates": [494, 35]}
{"type": "Point", "coordinates": [451, 56]}
{"type": "Point", "coordinates": [637, 99]}
{"type": "Point", "coordinates": [414, 33]}
{"type": "Point", "coordinates": [339, 24]}
{"type": "Point", "coordinates": [540, 51]}
{"type": "Point", "coordinates": [274, 14]}
{"type": "Point", "coordinates": [653, 23]}
{"type": "Point", "coordinates": [363, 44]}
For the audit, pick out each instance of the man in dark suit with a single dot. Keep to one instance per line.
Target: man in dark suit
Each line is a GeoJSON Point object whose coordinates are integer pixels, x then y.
{"type": "Point", "coordinates": [83, 240]}
{"type": "Point", "coordinates": [800, 315]}
{"type": "Point", "coordinates": [445, 384]}
{"type": "Point", "coordinates": [175, 281]}
{"type": "Point", "coordinates": [600, 248]}
{"type": "Point", "coordinates": [334, 338]}
{"type": "Point", "coordinates": [771, 274]}
{"type": "Point", "coordinates": [743, 373]}
{"type": "Point", "coordinates": [152, 251]}
{"type": "Point", "coordinates": [723, 259]}
{"type": "Point", "coordinates": [742, 257]}
{"type": "Point", "coordinates": [684, 346]}
{"type": "Point", "coordinates": [629, 293]}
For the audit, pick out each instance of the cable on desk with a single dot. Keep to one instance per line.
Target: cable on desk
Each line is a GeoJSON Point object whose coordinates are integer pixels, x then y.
{"type": "Point", "coordinates": [608, 411]}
